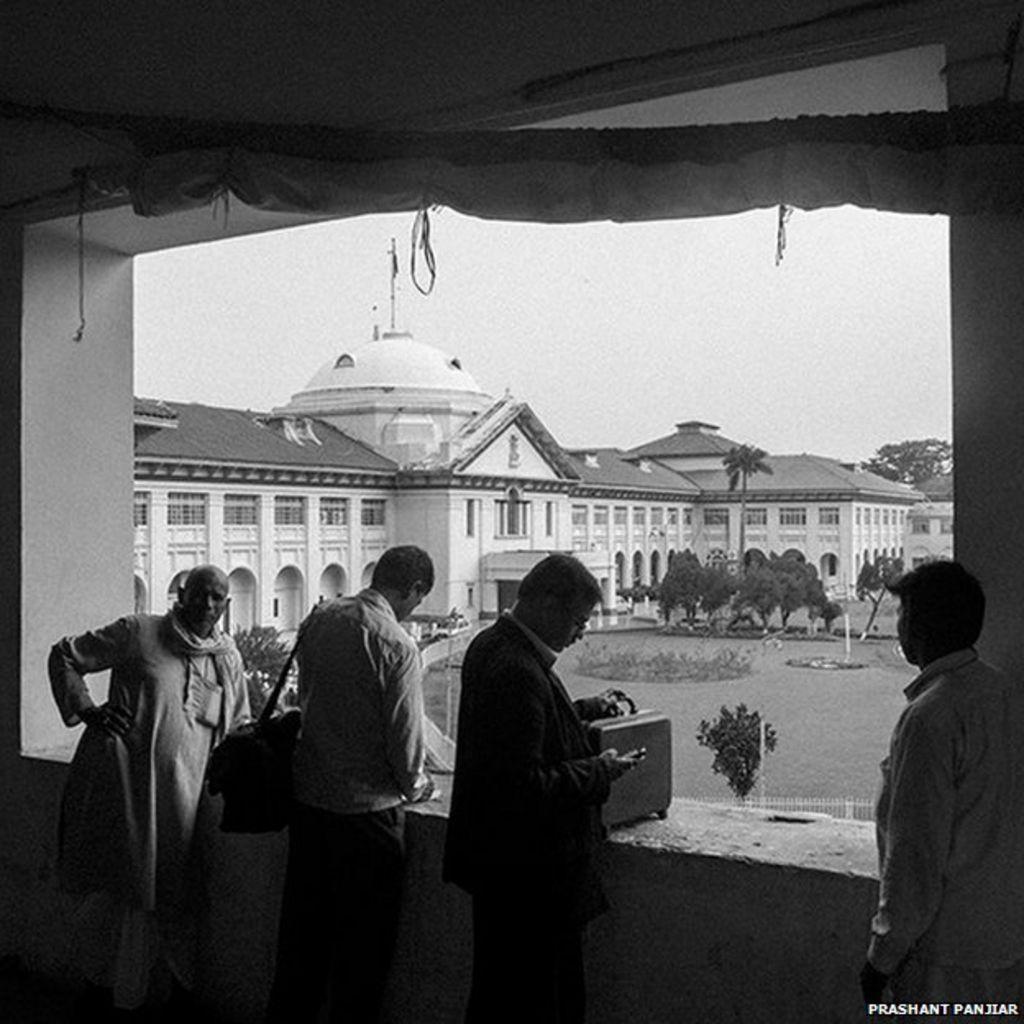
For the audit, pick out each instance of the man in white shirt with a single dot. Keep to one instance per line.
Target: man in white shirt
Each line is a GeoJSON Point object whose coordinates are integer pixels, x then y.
{"type": "Point", "coordinates": [950, 815]}
{"type": "Point", "coordinates": [359, 759]}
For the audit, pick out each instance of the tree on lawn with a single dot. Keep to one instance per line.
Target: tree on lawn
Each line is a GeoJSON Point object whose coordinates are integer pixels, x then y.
{"type": "Point", "coordinates": [831, 611]}
{"type": "Point", "coordinates": [797, 582]}
{"type": "Point", "coordinates": [682, 586]}
{"type": "Point", "coordinates": [759, 591]}
{"type": "Point", "coordinates": [742, 462]}
{"type": "Point", "coordinates": [735, 737]}
{"type": "Point", "coordinates": [872, 581]}
{"type": "Point", "coordinates": [820, 607]}
{"type": "Point", "coordinates": [912, 462]}
{"type": "Point", "coordinates": [717, 587]}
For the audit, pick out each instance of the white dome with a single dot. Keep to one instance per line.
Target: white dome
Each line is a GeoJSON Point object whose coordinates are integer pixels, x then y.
{"type": "Point", "coordinates": [395, 361]}
{"type": "Point", "coordinates": [399, 395]}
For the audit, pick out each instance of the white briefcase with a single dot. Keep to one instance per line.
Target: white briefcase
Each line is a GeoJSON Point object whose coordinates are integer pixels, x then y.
{"type": "Point", "coordinates": [647, 789]}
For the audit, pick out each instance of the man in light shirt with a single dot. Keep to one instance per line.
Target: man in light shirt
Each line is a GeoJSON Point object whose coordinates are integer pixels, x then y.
{"type": "Point", "coordinates": [359, 759]}
{"type": "Point", "coordinates": [950, 815]}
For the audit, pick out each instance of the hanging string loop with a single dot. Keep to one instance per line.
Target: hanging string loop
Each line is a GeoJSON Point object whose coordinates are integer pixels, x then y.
{"type": "Point", "coordinates": [80, 333]}
{"type": "Point", "coordinates": [785, 212]}
{"type": "Point", "coordinates": [221, 201]}
{"type": "Point", "coordinates": [421, 241]}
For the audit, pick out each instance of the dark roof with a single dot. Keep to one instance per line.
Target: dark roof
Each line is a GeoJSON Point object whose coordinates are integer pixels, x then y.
{"type": "Point", "coordinates": [608, 467]}
{"type": "Point", "coordinates": [937, 488]}
{"type": "Point", "coordinates": [803, 473]}
{"type": "Point", "coordinates": [209, 433]}
{"type": "Point", "coordinates": [689, 440]}
{"type": "Point", "coordinates": [153, 408]}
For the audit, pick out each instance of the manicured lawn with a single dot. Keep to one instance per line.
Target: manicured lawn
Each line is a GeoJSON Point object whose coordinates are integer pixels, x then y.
{"type": "Point", "coordinates": [833, 726]}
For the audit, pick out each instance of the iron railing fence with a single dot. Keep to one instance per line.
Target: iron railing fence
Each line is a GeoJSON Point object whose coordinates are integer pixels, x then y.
{"type": "Point", "coordinates": [852, 808]}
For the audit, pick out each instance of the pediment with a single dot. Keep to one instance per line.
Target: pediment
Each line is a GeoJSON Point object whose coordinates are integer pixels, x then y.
{"type": "Point", "coordinates": [510, 453]}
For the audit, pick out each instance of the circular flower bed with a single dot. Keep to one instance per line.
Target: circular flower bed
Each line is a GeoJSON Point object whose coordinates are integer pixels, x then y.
{"type": "Point", "coordinates": [824, 663]}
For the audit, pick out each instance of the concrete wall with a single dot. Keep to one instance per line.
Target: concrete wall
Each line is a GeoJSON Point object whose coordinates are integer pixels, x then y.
{"type": "Point", "coordinates": [717, 915]}
{"type": "Point", "coordinates": [987, 313]}
{"type": "Point", "coordinates": [699, 937]}
{"type": "Point", "coordinates": [63, 447]}
{"type": "Point", "coordinates": [76, 443]}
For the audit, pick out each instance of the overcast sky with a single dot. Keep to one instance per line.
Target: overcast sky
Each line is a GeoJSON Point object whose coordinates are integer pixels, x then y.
{"type": "Point", "coordinates": [612, 333]}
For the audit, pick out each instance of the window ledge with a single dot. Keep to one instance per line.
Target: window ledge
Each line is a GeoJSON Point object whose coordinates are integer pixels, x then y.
{"type": "Point", "coordinates": [811, 841]}
{"type": "Point", "coordinates": [815, 842]}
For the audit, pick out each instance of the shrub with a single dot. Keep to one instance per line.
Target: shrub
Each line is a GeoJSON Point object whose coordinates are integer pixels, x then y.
{"type": "Point", "coordinates": [263, 655]}
{"type": "Point", "coordinates": [735, 737]}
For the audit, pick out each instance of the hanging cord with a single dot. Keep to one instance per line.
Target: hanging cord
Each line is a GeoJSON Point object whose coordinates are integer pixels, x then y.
{"type": "Point", "coordinates": [421, 240]}
{"type": "Point", "coordinates": [785, 212]}
{"type": "Point", "coordinates": [80, 333]}
{"type": "Point", "coordinates": [222, 195]}
{"type": "Point", "coordinates": [1010, 55]}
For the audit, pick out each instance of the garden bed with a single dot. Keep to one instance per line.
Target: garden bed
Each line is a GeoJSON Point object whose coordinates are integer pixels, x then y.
{"type": "Point", "coordinates": [640, 665]}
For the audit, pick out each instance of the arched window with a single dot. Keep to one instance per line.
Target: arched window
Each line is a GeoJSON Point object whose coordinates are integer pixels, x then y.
{"type": "Point", "coordinates": [288, 604]}
{"type": "Point", "coordinates": [753, 557]}
{"type": "Point", "coordinates": [243, 611]}
{"type": "Point", "coordinates": [620, 571]}
{"type": "Point", "coordinates": [512, 514]}
{"type": "Point", "coordinates": [332, 582]}
{"type": "Point", "coordinates": [141, 596]}
{"type": "Point", "coordinates": [638, 568]}
{"type": "Point", "coordinates": [175, 585]}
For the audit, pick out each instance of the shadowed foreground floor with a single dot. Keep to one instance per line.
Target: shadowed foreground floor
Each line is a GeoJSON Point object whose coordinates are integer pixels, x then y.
{"type": "Point", "coordinates": [28, 999]}
{"type": "Point", "coordinates": [32, 999]}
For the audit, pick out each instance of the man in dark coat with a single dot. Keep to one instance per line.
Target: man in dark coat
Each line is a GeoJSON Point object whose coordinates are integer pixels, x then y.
{"type": "Point", "coordinates": [525, 799]}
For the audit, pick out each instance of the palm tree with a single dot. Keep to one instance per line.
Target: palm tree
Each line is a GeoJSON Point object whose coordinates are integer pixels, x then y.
{"type": "Point", "coordinates": [741, 462]}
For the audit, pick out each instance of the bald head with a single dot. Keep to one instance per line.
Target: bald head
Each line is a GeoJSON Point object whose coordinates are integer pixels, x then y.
{"type": "Point", "coordinates": [203, 598]}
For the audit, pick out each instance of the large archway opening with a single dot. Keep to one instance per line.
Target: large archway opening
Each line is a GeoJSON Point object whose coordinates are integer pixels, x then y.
{"type": "Point", "coordinates": [243, 611]}
{"type": "Point", "coordinates": [141, 595]}
{"type": "Point", "coordinates": [332, 582]}
{"type": "Point", "coordinates": [177, 582]}
{"type": "Point", "coordinates": [288, 599]}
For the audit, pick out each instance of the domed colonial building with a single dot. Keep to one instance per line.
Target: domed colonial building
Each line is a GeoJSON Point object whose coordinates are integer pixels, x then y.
{"type": "Point", "coordinates": [393, 442]}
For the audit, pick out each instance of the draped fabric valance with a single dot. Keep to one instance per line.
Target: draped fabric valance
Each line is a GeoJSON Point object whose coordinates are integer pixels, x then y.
{"type": "Point", "coordinates": [965, 161]}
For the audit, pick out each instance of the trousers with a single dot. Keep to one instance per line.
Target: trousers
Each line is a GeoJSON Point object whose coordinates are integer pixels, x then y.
{"type": "Point", "coordinates": [339, 915]}
{"type": "Point", "coordinates": [917, 981]}
{"type": "Point", "coordinates": [527, 959]}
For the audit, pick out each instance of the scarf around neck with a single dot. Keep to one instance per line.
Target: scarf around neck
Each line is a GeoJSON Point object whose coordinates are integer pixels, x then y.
{"type": "Point", "coordinates": [183, 641]}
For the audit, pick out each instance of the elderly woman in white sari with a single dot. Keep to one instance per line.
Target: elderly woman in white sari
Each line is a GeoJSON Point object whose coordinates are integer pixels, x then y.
{"type": "Point", "coordinates": [130, 805]}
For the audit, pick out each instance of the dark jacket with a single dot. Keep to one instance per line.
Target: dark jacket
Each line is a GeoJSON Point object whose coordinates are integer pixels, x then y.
{"type": "Point", "coordinates": [527, 785]}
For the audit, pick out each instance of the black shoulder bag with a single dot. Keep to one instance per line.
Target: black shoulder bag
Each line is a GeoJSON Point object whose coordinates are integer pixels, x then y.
{"type": "Point", "coordinates": [252, 766]}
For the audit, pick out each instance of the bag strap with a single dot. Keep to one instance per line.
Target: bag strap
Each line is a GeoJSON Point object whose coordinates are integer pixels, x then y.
{"type": "Point", "coordinates": [268, 709]}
